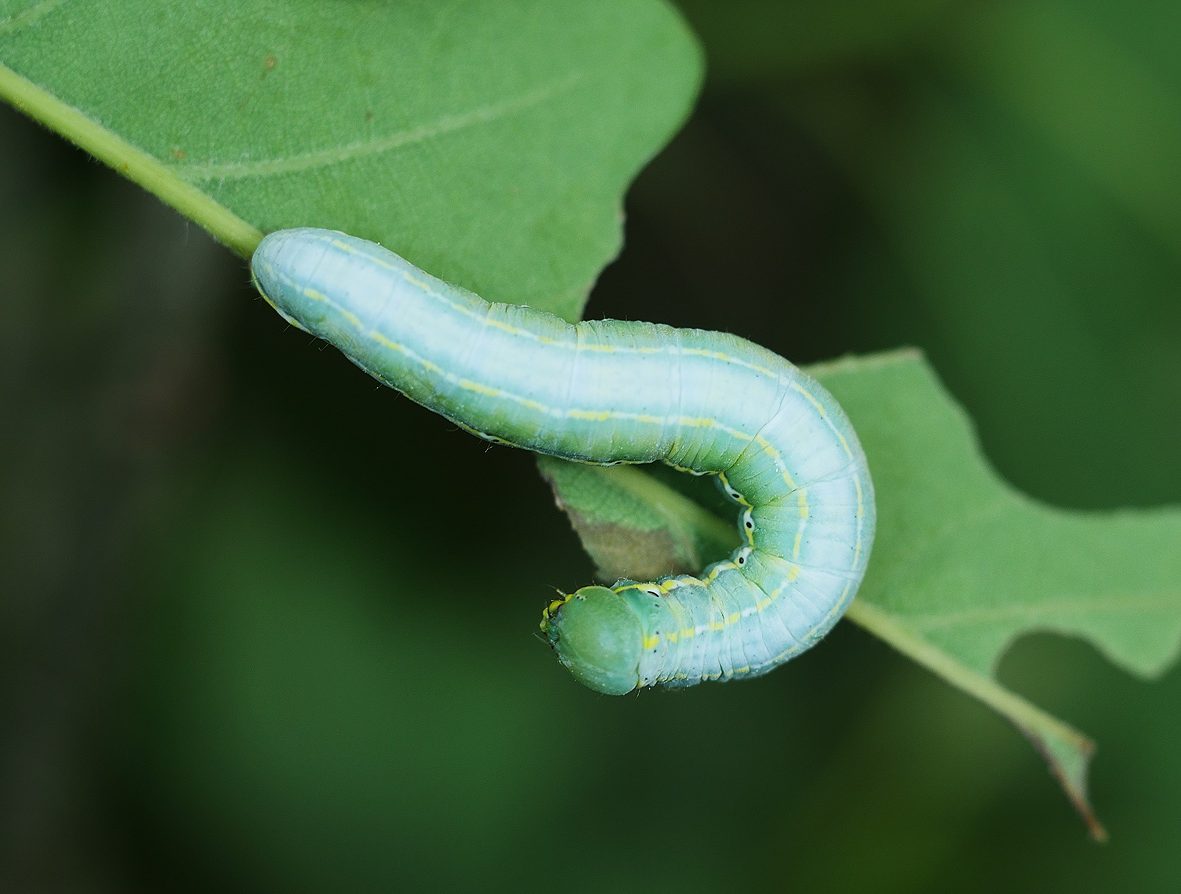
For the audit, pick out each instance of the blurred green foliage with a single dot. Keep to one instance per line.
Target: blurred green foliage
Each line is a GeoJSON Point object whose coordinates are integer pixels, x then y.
{"type": "Point", "coordinates": [211, 679]}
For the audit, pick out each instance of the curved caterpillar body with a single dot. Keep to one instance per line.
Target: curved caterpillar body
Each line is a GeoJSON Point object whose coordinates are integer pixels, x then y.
{"type": "Point", "coordinates": [605, 391]}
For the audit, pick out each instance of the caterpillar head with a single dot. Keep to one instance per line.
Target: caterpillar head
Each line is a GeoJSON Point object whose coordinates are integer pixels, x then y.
{"type": "Point", "coordinates": [598, 637]}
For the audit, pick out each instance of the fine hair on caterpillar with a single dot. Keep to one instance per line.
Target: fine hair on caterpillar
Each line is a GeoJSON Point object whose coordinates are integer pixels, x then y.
{"type": "Point", "coordinates": [605, 391]}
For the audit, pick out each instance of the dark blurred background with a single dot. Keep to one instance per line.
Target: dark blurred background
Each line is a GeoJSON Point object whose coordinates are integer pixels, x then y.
{"type": "Point", "coordinates": [236, 652]}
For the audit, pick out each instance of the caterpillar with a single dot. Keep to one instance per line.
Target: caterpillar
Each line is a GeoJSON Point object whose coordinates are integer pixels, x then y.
{"type": "Point", "coordinates": [606, 392]}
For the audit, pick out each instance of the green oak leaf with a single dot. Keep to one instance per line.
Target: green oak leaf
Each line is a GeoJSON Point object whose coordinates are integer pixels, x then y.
{"type": "Point", "coordinates": [399, 122]}
{"type": "Point", "coordinates": [963, 564]}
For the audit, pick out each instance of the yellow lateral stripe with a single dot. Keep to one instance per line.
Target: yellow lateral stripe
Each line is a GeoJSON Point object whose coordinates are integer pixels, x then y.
{"type": "Point", "coordinates": [729, 620]}
{"type": "Point", "coordinates": [603, 415]}
{"type": "Point", "coordinates": [501, 394]}
{"type": "Point", "coordinates": [314, 295]}
{"type": "Point", "coordinates": [572, 413]}
{"type": "Point", "coordinates": [522, 332]}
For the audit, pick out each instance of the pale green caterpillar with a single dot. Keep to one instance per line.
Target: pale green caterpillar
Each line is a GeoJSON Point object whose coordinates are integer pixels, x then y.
{"type": "Point", "coordinates": [605, 391]}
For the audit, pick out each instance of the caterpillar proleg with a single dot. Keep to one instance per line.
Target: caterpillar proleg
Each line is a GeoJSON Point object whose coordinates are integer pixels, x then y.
{"type": "Point", "coordinates": [605, 391]}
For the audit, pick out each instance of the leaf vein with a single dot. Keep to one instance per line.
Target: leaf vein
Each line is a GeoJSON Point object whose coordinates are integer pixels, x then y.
{"type": "Point", "coordinates": [1163, 601]}
{"type": "Point", "coordinates": [29, 15]}
{"type": "Point", "coordinates": [334, 155]}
